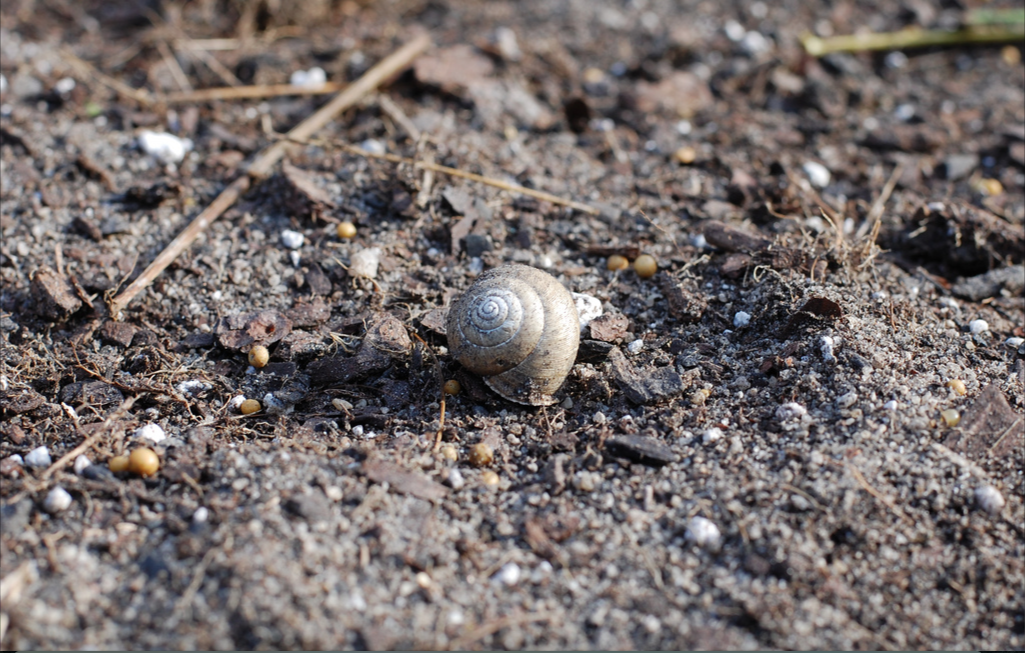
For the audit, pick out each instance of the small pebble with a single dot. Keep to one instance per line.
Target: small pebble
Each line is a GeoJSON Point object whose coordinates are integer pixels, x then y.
{"type": "Point", "coordinates": [81, 463]}
{"type": "Point", "coordinates": [151, 432]}
{"type": "Point", "coordinates": [989, 499]}
{"type": "Point", "coordinates": [978, 326]}
{"type": "Point", "coordinates": [346, 230]}
{"type": "Point", "coordinates": [274, 406]}
{"type": "Point", "coordinates": [201, 515]}
{"type": "Point", "coordinates": [509, 574]}
{"type": "Point", "coordinates": [455, 479]}
{"type": "Point", "coordinates": [951, 417]}
{"type": "Point", "coordinates": [700, 397]}
{"type": "Point", "coordinates": [704, 533]}
{"type": "Point", "coordinates": [192, 387]}
{"type": "Point", "coordinates": [685, 155]}
{"type": "Point", "coordinates": [38, 457]}
{"type": "Point", "coordinates": [635, 347]}
{"type": "Point", "coordinates": [826, 347]}
{"type": "Point", "coordinates": [164, 147]}
{"type": "Point", "coordinates": [236, 401]}
{"type": "Point", "coordinates": [1014, 342]}
{"type": "Point", "coordinates": [58, 500]}
{"type": "Point", "coordinates": [588, 308]}
{"type": "Point", "coordinates": [698, 241]}
{"type": "Point", "coordinates": [313, 78]}
{"type": "Point", "coordinates": [341, 405]}
{"type": "Point", "coordinates": [712, 435]}
{"type": "Point", "coordinates": [890, 405]}
{"type": "Point", "coordinates": [818, 174]}
{"type": "Point", "coordinates": [790, 410]}
{"type": "Point", "coordinates": [372, 146]}
{"type": "Point", "coordinates": [741, 319]}
{"type": "Point", "coordinates": [489, 478]}
{"type": "Point", "coordinates": [364, 262]}
{"type": "Point", "coordinates": [292, 239]}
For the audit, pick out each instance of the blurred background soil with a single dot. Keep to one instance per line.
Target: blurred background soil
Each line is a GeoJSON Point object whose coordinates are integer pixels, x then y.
{"type": "Point", "coordinates": [827, 368]}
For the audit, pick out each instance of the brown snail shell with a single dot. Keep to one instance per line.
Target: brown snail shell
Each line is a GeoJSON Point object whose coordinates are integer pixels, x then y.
{"type": "Point", "coordinates": [518, 328]}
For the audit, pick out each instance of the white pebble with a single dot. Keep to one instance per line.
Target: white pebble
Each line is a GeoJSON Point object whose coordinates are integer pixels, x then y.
{"type": "Point", "coordinates": [734, 30]}
{"type": "Point", "coordinates": [201, 515]}
{"type": "Point", "coordinates": [699, 242]}
{"type": "Point", "coordinates": [755, 43]}
{"type": "Point", "coordinates": [704, 533]}
{"type": "Point", "coordinates": [989, 499]}
{"type": "Point", "coordinates": [588, 308]}
{"type": "Point", "coordinates": [3, 84]}
{"type": "Point", "coordinates": [295, 257]}
{"type": "Point", "coordinates": [64, 85]}
{"type": "Point", "coordinates": [81, 463]}
{"type": "Point", "coordinates": [152, 432]}
{"type": "Point", "coordinates": [1014, 342]}
{"type": "Point", "coordinates": [879, 295]}
{"type": "Point", "coordinates": [313, 78]}
{"type": "Point", "coordinates": [57, 500]}
{"type": "Point", "coordinates": [357, 430]}
{"type": "Point", "coordinates": [373, 146]}
{"type": "Point", "coordinates": [475, 267]}
{"type": "Point", "coordinates": [891, 405]}
{"type": "Point", "coordinates": [741, 319]}
{"type": "Point", "coordinates": [455, 479]}
{"type": "Point", "coordinates": [38, 457]}
{"type": "Point", "coordinates": [790, 410]}
{"type": "Point", "coordinates": [507, 44]}
{"type": "Point", "coordinates": [684, 127]}
{"type": "Point", "coordinates": [236, 401]}
{"type": "Point", "coordinates": [636, 346]}
{"type": "Point", "coordinates": [599, 418]}
{"type": "Point", "coordinates": [364, 262]}
{"type": "Point", "coordinates": [818, 174]}
{"type": "Point", "coordinates": [978, 326]}
{"type": "Point", "coordinates": [274, 406]}
{"type": "Point", "coordinates": [192, 387]}
{"type": "Point", "coordinates": [712, 435]}
{"type": "Point", "coordinates": [826, 346]}
{"type": "Point", "coordinates": [509, 574]}
{"type": "Point", "coordinates": [164, 147]}
{"type": "Point", "coordinates": [292, 239]}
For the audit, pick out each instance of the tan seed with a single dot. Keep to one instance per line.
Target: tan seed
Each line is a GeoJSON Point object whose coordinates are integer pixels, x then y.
{"type": "Point", "coordinates": [144, 462]}
{"type": "Point", "coordinates": [617, 262]}
{"type": "Point", "coordinates": [645, 266]}
{"type": "Point", "coordinates": [118, 464]}
{"type": "Point", "coordinates": [346, 230]}
{"type": "Point", "coordinates": [481, 455]}
{"type": "Point", "coordinates": [258, 356]}
{"type": "Point", "coordinates": [249, 406]}
{"type": "Point", "coordinates": [685, 155]}
{"type": "Point", "coordinates": [452, 387]}
{"type": "Point", "coordinates": [489, 478]}
{"type": "Point", "coordinates": [951, 417]}
{"type": "Point", "coordinates": [958, 386]}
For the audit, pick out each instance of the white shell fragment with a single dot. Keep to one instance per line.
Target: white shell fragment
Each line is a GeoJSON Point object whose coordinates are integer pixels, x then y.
{"type": "Point", "coordinates": [164, 147]}
{"type": "Point", "coordinates": [152, 432]}
{"type": "Point", "coordinates": [741, 319]}
{"type": "Point", "coordinates": [81, 463]}
{"type": "Point", "coordinates": [704, 533]}
{"type": "Point", "coordinates": [818, 174]}
{"type": "Point", "coordinates": [509, 574]}
{"type": "Point", "coordinates": [588, 308]}
{"type": "Point", "coordinates": [313, 78]}
{"type": "Point", "coordinates": [292, 239]}
{"type": "Point", "coordinates": [712, 435]}
{"type": "Point", "coordinates": [989, 499]}
{"type": "Point", "coordinates": [978, 326]}
{"type": "Point", "coordinates": [38, 457]}
{"type": "Point", "coordinates": [1014, 342]}
{"type": "Point", "coordinates": [790, 410]}
{"type": "Point", "coordinates": [58, 500]}
{"type": "Point", "coordinates": [635, 346]}
{"type": "Point", "coordinates": [826, 346]}
{"type": "Point", "coordinates": [364, 262]}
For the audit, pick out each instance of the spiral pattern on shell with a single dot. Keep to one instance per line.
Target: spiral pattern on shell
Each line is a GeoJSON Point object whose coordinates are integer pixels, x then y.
{"type": "Point", "coordinates": [517, 327]}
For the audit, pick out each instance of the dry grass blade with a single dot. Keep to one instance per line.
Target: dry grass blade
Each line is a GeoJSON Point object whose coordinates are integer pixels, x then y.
{"type": "Point", "coordinates": [103, 430]}
{"type": "Point", "coordinates": [248, 92]}
{"type": "Point", "coordinates": [88, 72]}
{"type": "Point", "coordinates": [261, 167]}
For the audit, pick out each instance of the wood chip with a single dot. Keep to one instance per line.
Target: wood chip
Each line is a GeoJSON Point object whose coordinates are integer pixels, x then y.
{"type": "Point", "coordinates": [641, 449]}
{"type": "Point", "coordinates": [404, 481]}
{"type": "Point", "coordinates": [989, 427]}
{"type": "Point", "coordinates": [54, 296]}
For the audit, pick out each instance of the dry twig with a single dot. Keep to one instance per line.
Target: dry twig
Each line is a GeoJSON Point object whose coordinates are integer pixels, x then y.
{"type": "Point", "coordinates": [263, 163]}
{"type": "Point", "coordinates": [248, 92]}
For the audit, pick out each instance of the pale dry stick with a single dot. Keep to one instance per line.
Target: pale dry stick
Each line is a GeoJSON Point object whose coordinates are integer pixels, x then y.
{"type": "Point", "coordinates": [455, 172]}
{"type": "Point", "coordinates": [180, 78]}
{"type": "Point", "coordinates": [89, 72]}
{"type": "Point", "coordinates": [217, 67]}
{"type": "Point", "coordinates": [263, 163]}
{"type": "Point", "coordinates": [879, 495]}
{"type": "Point", "coordinates": [91, 440]}
{"type": "Point", "coordinates": [875, 213]}
{"type": "Point", "coordinates": [257, 91]}
{"type": "Point", "coordinates": [396, 113]}
{"type": "Point", "coordinates": [492, 627]}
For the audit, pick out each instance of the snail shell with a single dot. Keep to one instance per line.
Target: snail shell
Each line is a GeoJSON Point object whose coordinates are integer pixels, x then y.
{"type": "Point", "coordinates": [518, 328]}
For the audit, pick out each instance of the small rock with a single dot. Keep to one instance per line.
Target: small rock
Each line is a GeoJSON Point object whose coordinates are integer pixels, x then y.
{"type": "Point", "coordinates": [81, 463]}
{"type": "Point", "coordinates": [890, 405]}
{"type": "Point", "coordinates": [790, 410]}
{"type": "Point", "coordinates": [313, 78]}
{"type": "Point", "coordinates": [609, 327]}
{"type": "Point", "coordinates": [58, 500]}
{"type": "Point", "coordinates": [647, 385]}
{"type": "Point", "coordinates": [373, 146]}
{"type": "Point", "coordinates": [958, 166]}
{"type": "Point", "coordinates": [164, 147]}
{"type": "Point", "coordinates": [818, 174]}
{"type": "Point", "coordinates": [477, 245]}
{"type": "Point", "coordinates": [120, 333]}
{"type": "Point", "coordinates": [1014, 342]}
{"type": "Point", "coordinates": [704, 533]}
{"type": "Point", "coordinates": [25, 86]}
{"type": "Point", "coordinates": [509, 574]}
{"type": "Point", "coordinates": [712, 435]}
{"type": "Point", "coordinates": [978, 326]}
{"type": "Point", "coordinates": [152, 432]}
{"type": "Point", "coordinates": [292, 239]}
{"type": "Point", "coordinates": [455, 479]}
{"type": "Point", "coordinates": [588, 308]}
{"type": "Point", "coordinates": [53, 296]}
{"type": "Point", "coordinates": [826, 347]}
{"type": "Point", "coordinates": [508, 47]}
{"type": "Point", "coordinates": [38, 457]}
{"type": "Point", "coordinates": [641, 449]}
{"type": "Point", "coordinates": [989, 499]}
{"type": "Point", "coordinates": [364, 263]}
{"type": "Point", "coordinates": [635, 347]}
{"type": "Point", "coordinates": [741, 319]}
{"type": "Point", "coordinates": [313, 507]}
{"type": "Point", "coordinates": [98, 473]}
{"type": "Point", "coordinates": [192, 387]}
{"type": "Point", "coordinates": [12, 466]}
